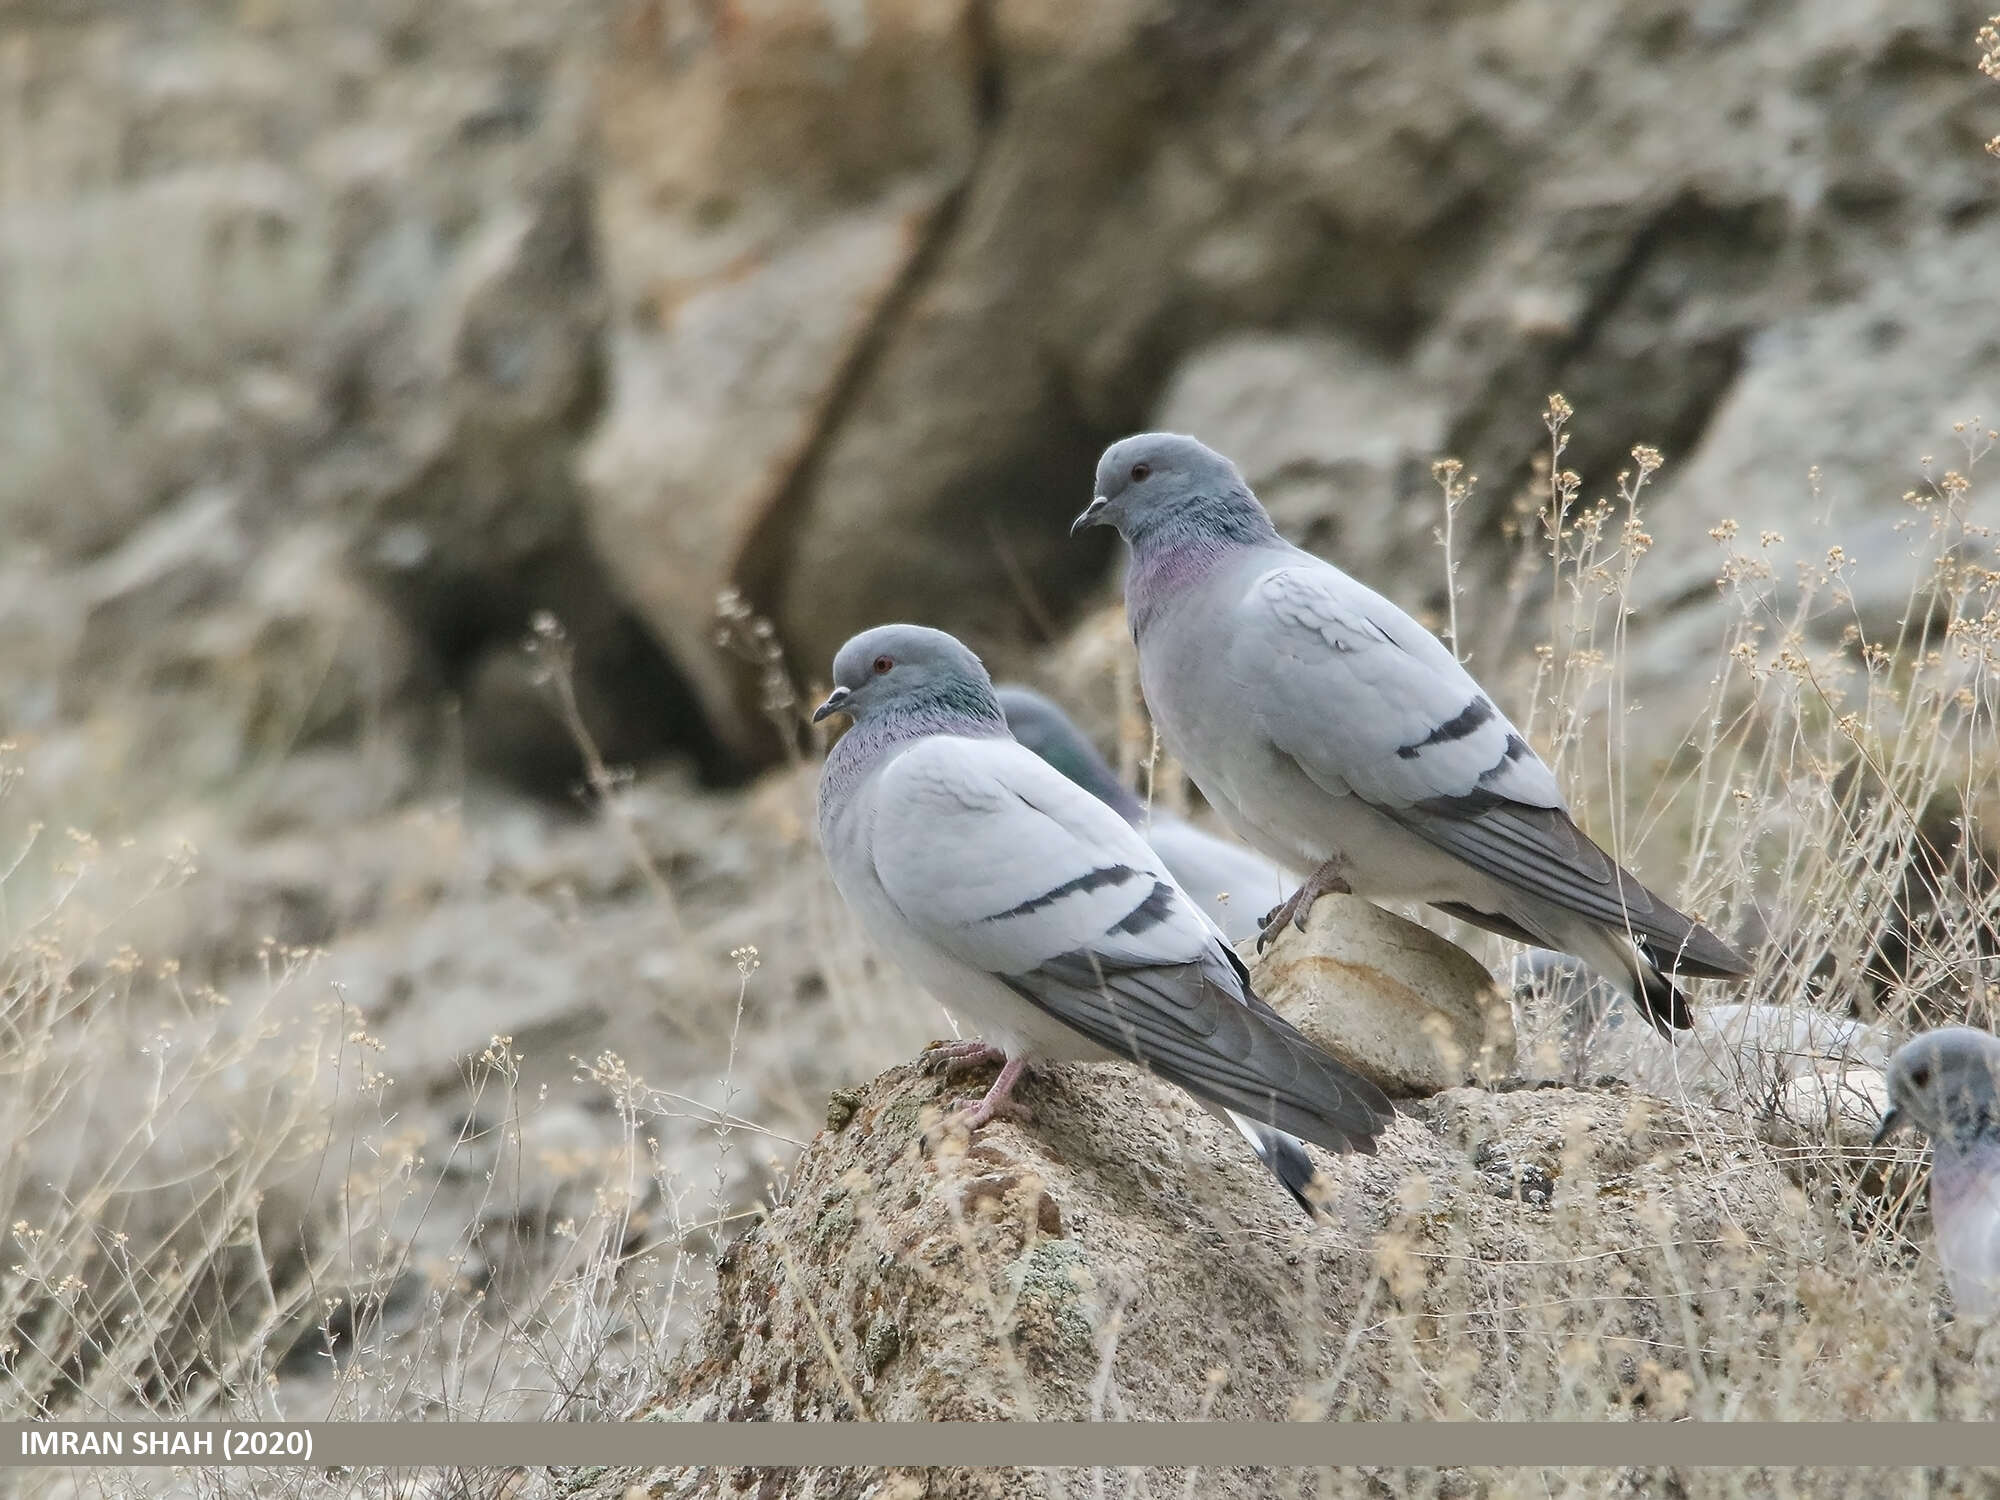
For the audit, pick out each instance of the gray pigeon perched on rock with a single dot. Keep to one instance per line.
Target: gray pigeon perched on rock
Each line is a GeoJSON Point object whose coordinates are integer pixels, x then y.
{"type": "Point", "coordinates": [1947, 1084]}
{"type": "Point", "coordinates": [1025, 904]}
{"type": "Point", "coordinates": [1234, 885]}
{"type": "Point", "coordinates": [1334, 732]}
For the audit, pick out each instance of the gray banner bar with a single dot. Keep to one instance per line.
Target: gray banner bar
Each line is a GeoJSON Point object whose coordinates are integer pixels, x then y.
{"type": "Point", "coordinates": [1008, 1444]}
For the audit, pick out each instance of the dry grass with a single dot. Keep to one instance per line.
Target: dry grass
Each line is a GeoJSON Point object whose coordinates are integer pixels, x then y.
{"type": "Point", "coordinates": [230, 1225]}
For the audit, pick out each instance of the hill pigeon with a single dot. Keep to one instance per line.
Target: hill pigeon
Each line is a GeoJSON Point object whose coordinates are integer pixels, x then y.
{"type": "Point", "coordinates": [1234, 885]}
{"type": "Point", "coordinates": [1334, 732]}
{"type": "Point", "coordinates": [1024, 903]}
{"type": "Point", "coordinates": [1947, 1084]}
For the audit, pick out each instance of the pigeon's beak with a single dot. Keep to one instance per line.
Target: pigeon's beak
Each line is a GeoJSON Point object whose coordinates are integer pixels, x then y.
{"type": "Point", "coordinates": [836, 703]}
{"type": "Point", "coordinates": [1093, 515]}
{"type": "Point", "coordinates": [1892, 1121]}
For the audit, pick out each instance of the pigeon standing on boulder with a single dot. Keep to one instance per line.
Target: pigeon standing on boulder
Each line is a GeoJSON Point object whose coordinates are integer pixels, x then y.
{"type": "Point", "coordinates": [1022, 902]}
{"type": "Point", "coordinates": [1234, 885]}
{"type": "Point", "coordinates": [1333, 731]}
{"type": "Point", "coordinates": [1947, 1084]}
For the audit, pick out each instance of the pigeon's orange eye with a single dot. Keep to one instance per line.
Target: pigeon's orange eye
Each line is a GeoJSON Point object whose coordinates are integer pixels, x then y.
{"type": "Point", "coordinates": [882, 664]}
{"type": "Point", "coordinates": [1140, 471]}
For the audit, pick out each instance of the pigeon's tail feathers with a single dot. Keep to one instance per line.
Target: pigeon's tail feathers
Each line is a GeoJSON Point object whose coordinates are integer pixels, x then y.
{"type": "Point", "coordinates": [1647, 984]}
{"type": "Point", "coordinates": [1699, 954]}
{"type": "Point", "coordinates": [1635, 965]}
{"type": "Point", "coordinates": [1557, 876]}
{"type": "Point", "coordinates": [1288, 1160]}
{"type": "Point", "coordinates": [1202, 1028]}
{"type": "Point", "coordinates": [1659, 1000]}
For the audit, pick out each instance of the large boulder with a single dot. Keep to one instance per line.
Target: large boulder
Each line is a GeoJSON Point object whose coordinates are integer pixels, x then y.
{"type": "Point", "coordinates": [1535, 1254]}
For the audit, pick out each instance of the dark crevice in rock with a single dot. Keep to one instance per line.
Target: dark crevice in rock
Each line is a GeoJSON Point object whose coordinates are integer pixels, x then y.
{"type": "Point", "coordinates": [1653, 355]}
{"type": "Point", "coordinates": [768, 554]}
{"type": "Point", "coordinates": [487, 528]}
{"type": "Point", "coordinates": [633, 699]}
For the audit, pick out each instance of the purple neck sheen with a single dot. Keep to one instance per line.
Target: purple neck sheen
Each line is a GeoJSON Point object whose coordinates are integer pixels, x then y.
{"type": "Point", "coordinates": [1176, 547]}
{"type": "Point", "coordinates": [1965, 1172]}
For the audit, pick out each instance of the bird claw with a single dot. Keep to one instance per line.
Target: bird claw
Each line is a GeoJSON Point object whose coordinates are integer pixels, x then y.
{"type": "Point", "coordinates": [998, 1103]}
{"type": "Point", "coordinates": [1297, 907]}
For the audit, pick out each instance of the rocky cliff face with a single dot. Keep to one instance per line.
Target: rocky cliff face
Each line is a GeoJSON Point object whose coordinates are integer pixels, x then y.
{"type": "Point", "coordinates": [601, 313]}
{"type": "Point", "coordinates": [1338, 246]}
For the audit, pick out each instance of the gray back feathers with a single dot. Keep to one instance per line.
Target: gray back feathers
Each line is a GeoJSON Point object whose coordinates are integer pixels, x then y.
{"type": "Point", "coordinates": [1049, 732]}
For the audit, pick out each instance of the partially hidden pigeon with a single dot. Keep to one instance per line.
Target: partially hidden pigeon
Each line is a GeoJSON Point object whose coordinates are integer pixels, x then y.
{"type": "Point", "coordinates": [1025, 904]}
{"type": "Point", "coordinates": [1332, 731]}
{"type": "Point", "coordinates": [1947, 1084]}
{"type": "Point", "coordinates": [1234, 885]}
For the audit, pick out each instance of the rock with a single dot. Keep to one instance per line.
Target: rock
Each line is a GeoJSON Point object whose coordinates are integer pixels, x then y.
{"type": "Point", "coordinates": [1389, 998]}
{"type": "Point", "coordinates": [768, 183]}
{"type": "Point", "coordinates": [906, 1280]}
{"type": "Point", "coordinates": [1336, 440]}
{"type": "Point", "coordinates": [338, 279]}
{"type": "Point", "coordinates": [1840, 1105]}
{"type": "Point", "coordinates": [205, 649]}
{"type": "Point", "coordinates": [1807, 447]}
{"type": "Point", "coordinates": [718, 400]}
{"type": "Point", "coordinates": [150, 291]}
{"type": "Point", "coordinates": [466, 506]}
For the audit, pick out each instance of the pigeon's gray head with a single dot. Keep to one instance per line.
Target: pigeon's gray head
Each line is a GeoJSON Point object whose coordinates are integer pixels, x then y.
{"type": "Point", "coordinates": [1047, 730]}
{"type": "Point", "coordinates": [1163, 485]}
{"type": "Point", "coordinates": [910, 669]}
{"type": "Point", "coordinates": [1947, 1084]}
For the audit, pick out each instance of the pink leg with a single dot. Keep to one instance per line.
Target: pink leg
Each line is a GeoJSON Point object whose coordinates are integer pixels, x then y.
{"type": "Point", "coordinates": [999, 1100]}
{"type": "Point", "coordinates": [954, 1057]}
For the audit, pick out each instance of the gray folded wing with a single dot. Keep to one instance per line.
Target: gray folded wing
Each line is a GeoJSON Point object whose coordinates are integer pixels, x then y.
{"type": "Point", "coordinates": [996, 859]}
{"type": "Point", "coordinates": [1543, 852]}
{"type": "Point", "coordinates": [1367, 702]}
{"type": "Point", "coordinates": [1203, 1036]}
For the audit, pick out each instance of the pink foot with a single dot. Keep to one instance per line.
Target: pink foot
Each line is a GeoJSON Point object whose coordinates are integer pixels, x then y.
{"type": "Point", "coordinates": [998, 1103]}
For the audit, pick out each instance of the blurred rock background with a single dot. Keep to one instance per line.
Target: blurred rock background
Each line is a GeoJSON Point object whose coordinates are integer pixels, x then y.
{"type": "Point", "coordinates": [341, 342]}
